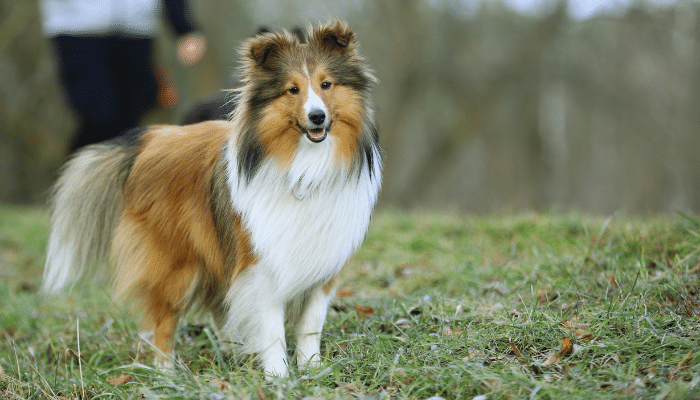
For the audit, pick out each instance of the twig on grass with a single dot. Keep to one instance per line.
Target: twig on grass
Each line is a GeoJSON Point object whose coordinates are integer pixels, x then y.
{"type": "Point", "coordinates": [80, 363]}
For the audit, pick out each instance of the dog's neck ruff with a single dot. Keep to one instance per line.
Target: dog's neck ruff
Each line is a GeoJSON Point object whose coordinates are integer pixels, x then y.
{"type": "Point", "coordinates": [308, 217]}
{"type": "Point", "coordinates": [313, 168]}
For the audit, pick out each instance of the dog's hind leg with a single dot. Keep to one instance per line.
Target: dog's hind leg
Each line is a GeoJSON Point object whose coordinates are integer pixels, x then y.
{"type": "Point", "coordinates": [168, 300]}
{"type": "Point", "coordinates": [162, 281]}
{"type": "Point", "coordinates": [226, 339]}
{"type": "Point", "coordinates": [164, 339]}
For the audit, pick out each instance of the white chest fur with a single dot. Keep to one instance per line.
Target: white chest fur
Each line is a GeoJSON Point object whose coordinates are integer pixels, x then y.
{"type": "Point", "coordinates": [305, 220]}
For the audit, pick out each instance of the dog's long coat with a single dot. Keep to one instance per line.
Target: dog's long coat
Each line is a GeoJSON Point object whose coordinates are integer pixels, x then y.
{"type": "Point", "coordinates": [251, 219]}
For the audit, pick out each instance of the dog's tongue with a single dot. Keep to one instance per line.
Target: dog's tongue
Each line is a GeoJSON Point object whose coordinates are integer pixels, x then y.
{"type": "Point", "coordinates": [316, 135]}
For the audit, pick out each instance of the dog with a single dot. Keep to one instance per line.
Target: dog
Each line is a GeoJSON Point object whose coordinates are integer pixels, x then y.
{"type": "Point", "coordinates": [251, 219]}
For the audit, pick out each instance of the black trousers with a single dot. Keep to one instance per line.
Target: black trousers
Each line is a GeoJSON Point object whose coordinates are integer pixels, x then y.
{"type": "Point", "coordinates": [109, 81]}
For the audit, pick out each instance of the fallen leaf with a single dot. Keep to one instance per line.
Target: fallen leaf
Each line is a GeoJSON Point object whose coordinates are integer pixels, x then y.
{"type": "Point", "coordinates": [682, 364]}
{"type": "Point", "coordinates": [566, 348]}
{"type": "Point", "coordinates": [351, 387]}
{"type": "Point", "coordinates": [544, 296]}
{"type": "Point", "coordinates": [260, 394]}
{"type": "Point", "coordinates": [553, 359]}
{"type": "Point", "coordinates": [344, 292]}
{"type": "Point", "coordinates": [649, 371]}
{"type": "Point", "coordinates": [121, 380]}
{"type": "Point", "coordinates": [490, 384]}
{"type": "Point", "coordinates": [100, 322]}
{"type": "Point", "coordinates": [7, 332]}
{"type": "Point", "coordinates": [221, 384]}
{"type": "Point", "coordinates": [578, 329]}
{"type": "Point", "coordinates": [611, 279]}
{"type": "Point", "coordinates": [565, 370]}
{"type": "Point", "coordinates": [515, 349]}
{"type": "Point", "coordinates": [471, 355]}
{"type": "Point", "coordinates": [574, 327]}
{"type": "Point", "coordinates": [364, 311]}
{"type": "Point", "coordinates": [404, 379]}
{"type": "Point", "coordinates": [403, 271]}
{"type": "Point", "coordinates": [450, 332]}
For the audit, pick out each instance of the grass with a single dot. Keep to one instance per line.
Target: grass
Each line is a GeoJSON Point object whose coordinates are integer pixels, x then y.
{"type": "Point", "coordinates": [526, 306]}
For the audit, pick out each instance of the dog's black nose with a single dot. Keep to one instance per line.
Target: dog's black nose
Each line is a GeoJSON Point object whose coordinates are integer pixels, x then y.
{"type": "Point", "coordinates": [317, 116]}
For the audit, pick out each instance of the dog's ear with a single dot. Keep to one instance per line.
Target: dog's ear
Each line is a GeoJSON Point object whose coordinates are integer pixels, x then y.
{"type": "Point", "coordinates": [335, 36]}
{"type": "Point", "coordinates": [260, 48]}
{"type": "Point", "coordinates": [263, 48]}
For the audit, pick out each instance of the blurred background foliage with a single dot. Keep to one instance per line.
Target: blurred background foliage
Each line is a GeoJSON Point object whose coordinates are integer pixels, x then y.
{"type": "Point", "coordinates": [481, 108]}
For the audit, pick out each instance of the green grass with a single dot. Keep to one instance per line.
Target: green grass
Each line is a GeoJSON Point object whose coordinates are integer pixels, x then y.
{"type": "Point", "coordinates": [432, 305]}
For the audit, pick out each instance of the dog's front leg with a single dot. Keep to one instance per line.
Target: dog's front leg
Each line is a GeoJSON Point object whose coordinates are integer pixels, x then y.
{"type": "Point", "coordinates": [256, 316]}
{"type": "Point", "coordinates": [272, 346]}
{"type": "Point", "coordinates": [309, 326]}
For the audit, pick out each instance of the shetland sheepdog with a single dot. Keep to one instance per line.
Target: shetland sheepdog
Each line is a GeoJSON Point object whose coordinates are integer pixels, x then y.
{"type": "Point", "coordinates": [251, 219]}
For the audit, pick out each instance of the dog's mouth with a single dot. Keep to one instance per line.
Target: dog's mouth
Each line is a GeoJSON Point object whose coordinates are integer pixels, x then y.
{"type": "Point", "coordinates": [316, 135]}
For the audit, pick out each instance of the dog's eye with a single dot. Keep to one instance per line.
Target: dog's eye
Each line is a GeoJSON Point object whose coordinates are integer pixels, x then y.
{"type": "Point", "coordinates": [326, 85]}
{"type": "Point", "coordinates": [294, 90]}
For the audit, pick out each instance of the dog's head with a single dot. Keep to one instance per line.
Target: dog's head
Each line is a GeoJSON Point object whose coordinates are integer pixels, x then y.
{"type": "Point", "coordinates": [305, 90]}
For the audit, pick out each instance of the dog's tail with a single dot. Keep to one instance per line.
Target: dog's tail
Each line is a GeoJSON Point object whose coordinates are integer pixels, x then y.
{"type": "Point", "coordinates": [86, 207]}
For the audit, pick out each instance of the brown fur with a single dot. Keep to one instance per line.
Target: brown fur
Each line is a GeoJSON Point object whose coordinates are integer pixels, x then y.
{"type": "Point", "coordinates": [167, 246]}
{"type": "Point", "coordinates": [330, 285]}
{"type": "Point", "coordinates": [347, 121]}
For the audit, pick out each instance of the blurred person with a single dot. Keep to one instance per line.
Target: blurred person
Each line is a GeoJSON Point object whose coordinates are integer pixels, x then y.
{"type": "Point", "coordinates": [105, 51]}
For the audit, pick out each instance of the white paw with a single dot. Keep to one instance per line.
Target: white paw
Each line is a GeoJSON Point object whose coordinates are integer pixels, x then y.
{"type": "Point", "coordinates": [165, 365]}
{"type": "Point", "coordinates": [275, 368]}
{"type": "Point", "coordinates": [310, 363]}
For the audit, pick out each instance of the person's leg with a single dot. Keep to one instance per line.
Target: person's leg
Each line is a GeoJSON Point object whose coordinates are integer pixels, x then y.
{"type": "Point", "coordinates": [133, 66]}
{"type": "Point", "coordinates": [89, 85]}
